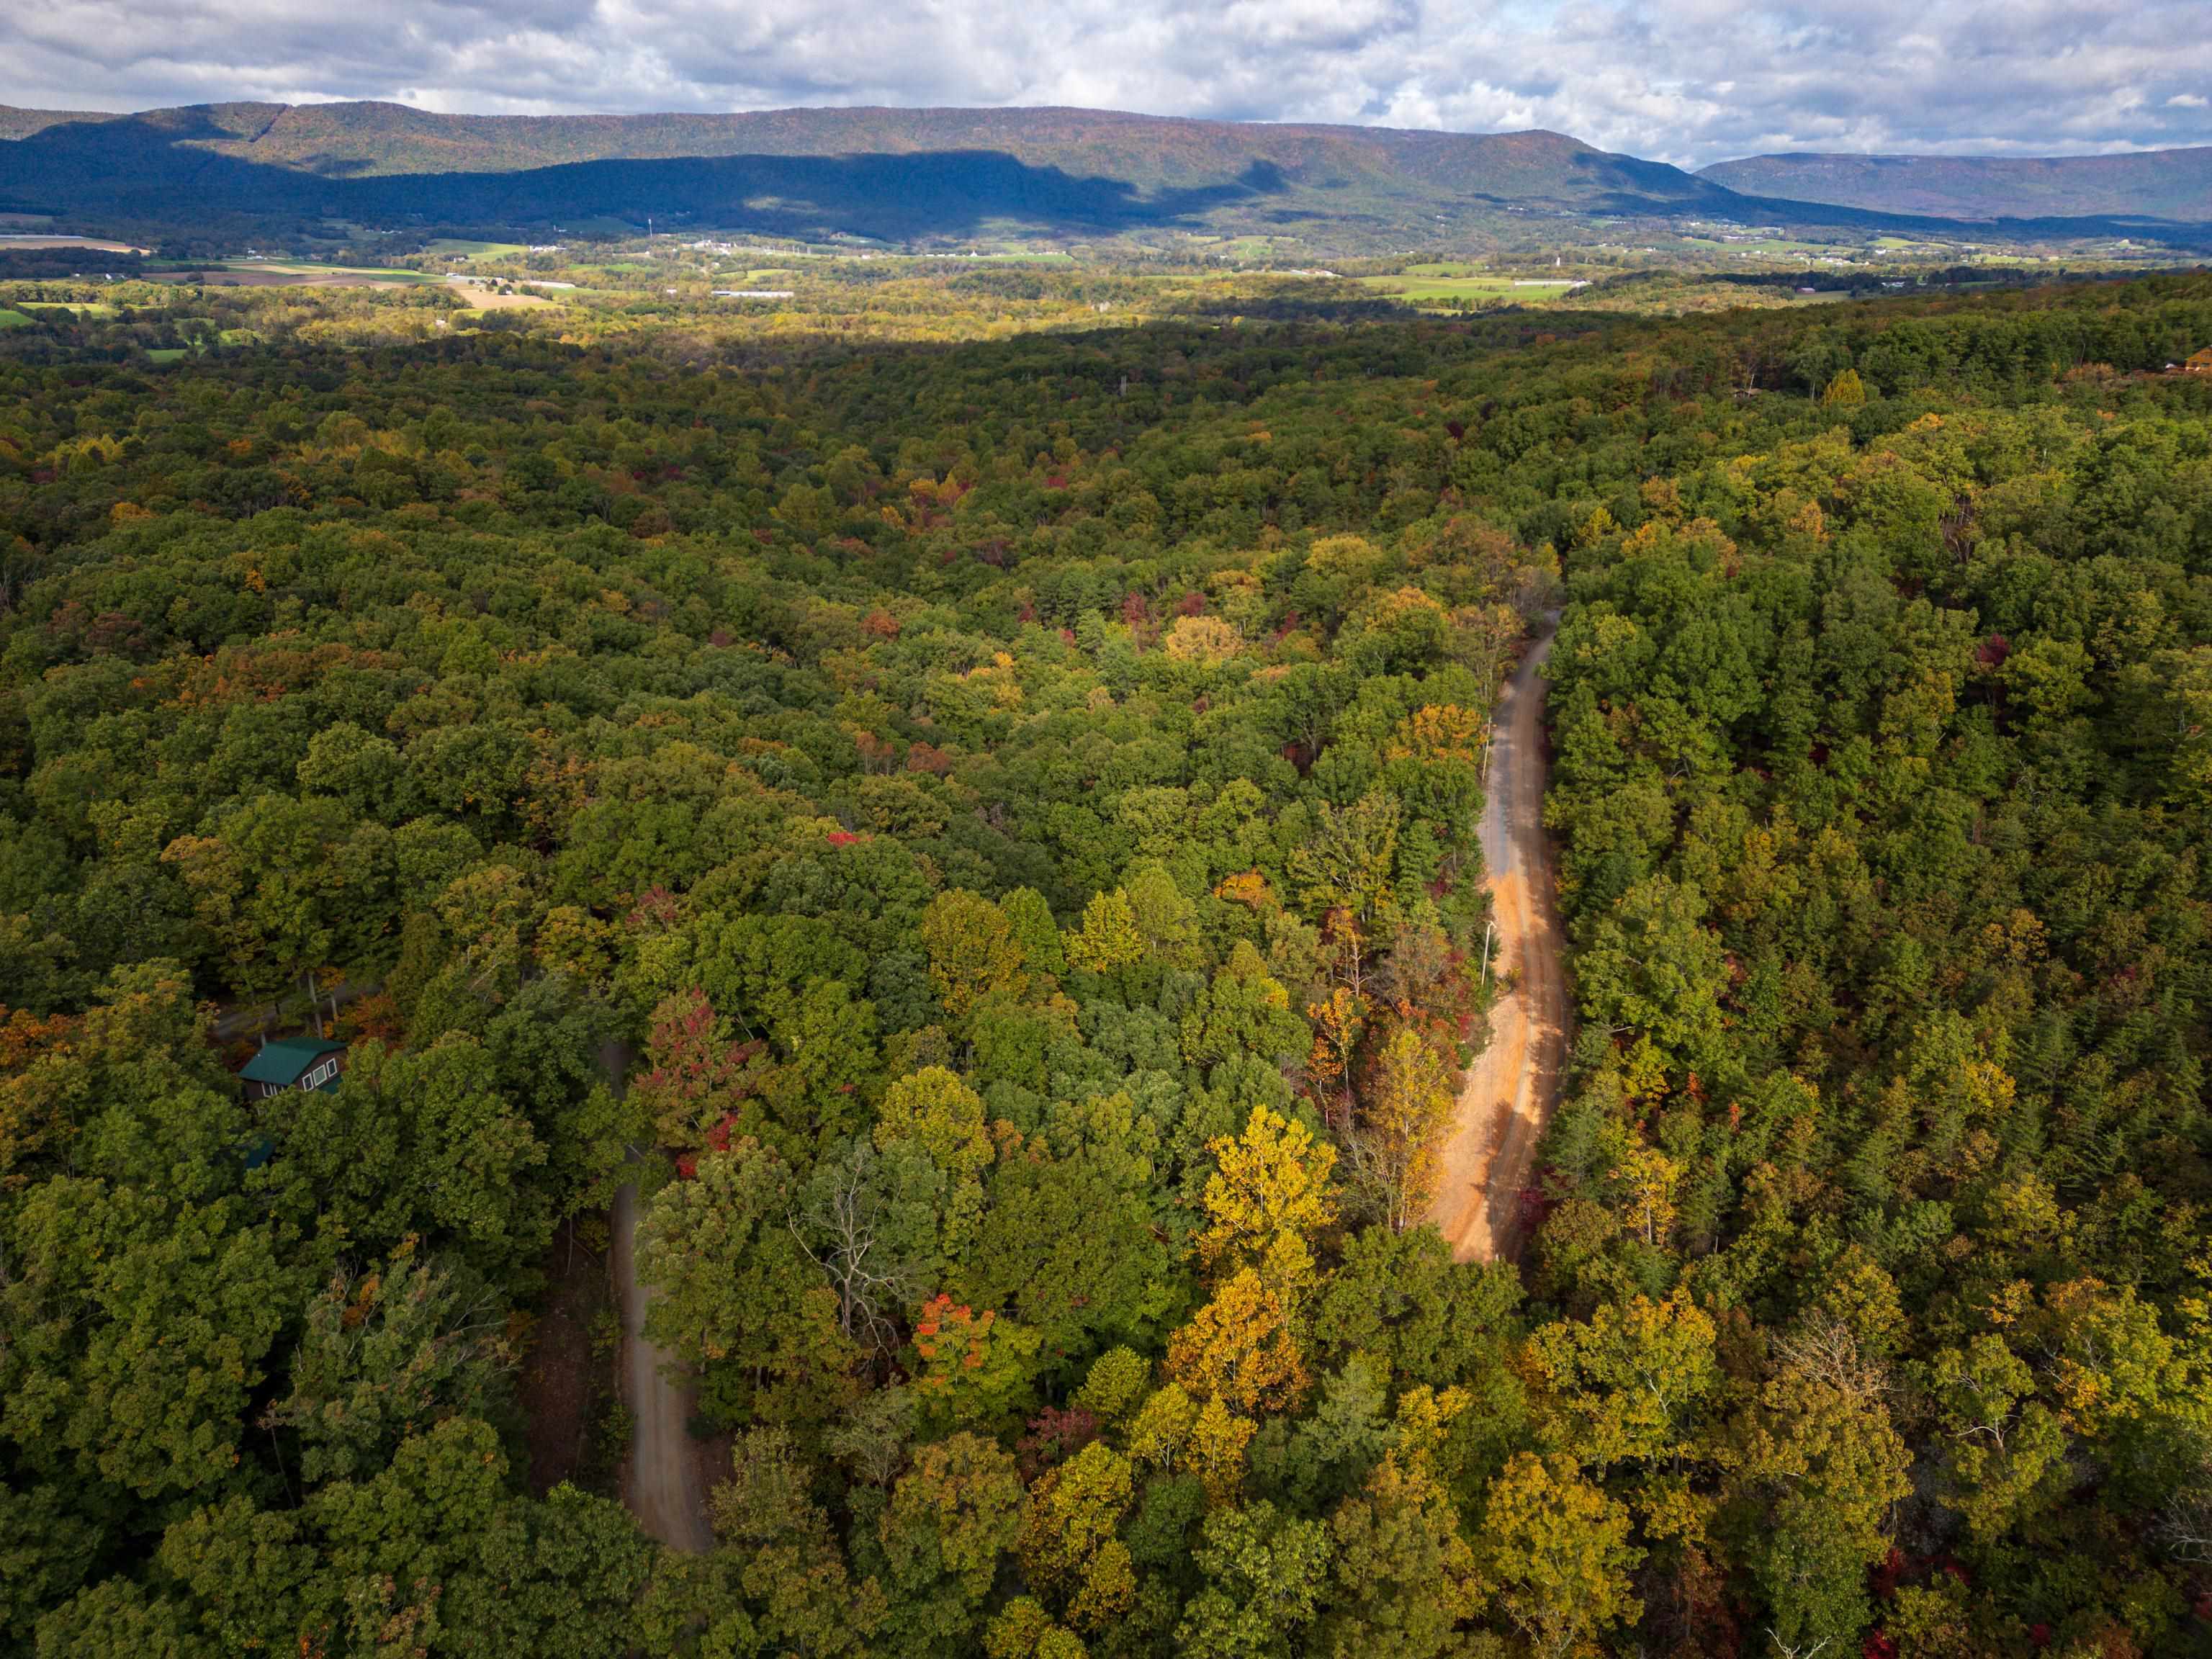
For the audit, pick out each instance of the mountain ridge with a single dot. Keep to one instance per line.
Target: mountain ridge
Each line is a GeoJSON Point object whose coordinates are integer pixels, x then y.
{"type": "Point", "coordinates": [2172, 184]}
{"type": "Point", "coordinates": [868, 172]}
{"type": "Point", "coordinates": [375, 137]}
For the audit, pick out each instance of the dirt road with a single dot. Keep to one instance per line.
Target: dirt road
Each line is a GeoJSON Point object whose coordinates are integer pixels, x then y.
{"type": "Point", "coordinates": [1508, 1094]}
{"type": "Point", "coordinates": [660, 1480]}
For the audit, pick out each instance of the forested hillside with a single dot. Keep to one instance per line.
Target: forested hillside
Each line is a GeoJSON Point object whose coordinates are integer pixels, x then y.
{"type": "Point", "coordinates": [1015, 801]}
{"type": "Point", "coordinates": [247, 171]}
{"type": "Point", "coordinates": [2174, 184]}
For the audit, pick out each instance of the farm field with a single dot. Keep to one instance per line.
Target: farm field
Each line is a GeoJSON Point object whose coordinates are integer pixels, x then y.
{"type": "Point", "coordinates": [1421, 288]}
{"type": "Point", "coordinates": [456, 247]}
{"type": "Point", "coordinates": [287, 273]}
{"type": "Point", "coordinates": [491, 298]}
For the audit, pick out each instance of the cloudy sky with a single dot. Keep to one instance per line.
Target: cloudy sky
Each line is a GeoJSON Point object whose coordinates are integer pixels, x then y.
{"type": "Point", "coordinates": [1686, 81]}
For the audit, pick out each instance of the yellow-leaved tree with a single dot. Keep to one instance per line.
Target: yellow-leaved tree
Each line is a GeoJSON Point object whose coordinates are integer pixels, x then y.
{"type": "Point", "coordinates": [1269, 1192]}
{"type": "Point", "coordinates": [1402, 1114]}
{"type": "Point", "coordinates": [1238, 1348]}
{"type": "Point", "coordinates": [1557, 1548]}
{"type": "Point", "coordinates": [1071, 1553]}
{"type": "Point", "coordinates": [1107, 937]}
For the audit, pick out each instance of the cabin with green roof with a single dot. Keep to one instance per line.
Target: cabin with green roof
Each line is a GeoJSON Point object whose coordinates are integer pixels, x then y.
{"type": "Point", "coordinates": [293, 1063]}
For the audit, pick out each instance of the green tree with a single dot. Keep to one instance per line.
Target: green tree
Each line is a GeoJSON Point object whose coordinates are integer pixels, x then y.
{"type": "Point", "coordinates": [1107, 939]}
{"type": "Point", "coordinates": [139, 1328]}
{"type": "Point", "coordinates": [1651, 967]}
{"type": "Point", "coordinates": [973, 955]}
{"type": "Point", "coordinates": [250, 1579]}
{"type": "Point", "coordinates": [1825, 1468]}
{"type": "Point", "coordinates": [385, 1354]}
{"type": "Point", "coordinates": [1625, 1385]}
{"type": "Point", "coordinates": [783, 1568]}
{"type": "Point", "coordinates": [1557, 1548]}
{"type": "Point", "coordinates": [1348, 863]}
{"type": "Point", "coordinates": [951, 1522]}
{"type": "Point", "coordinates": [738, 1296]}
{"type": "Point", "coordinates": [1406, 1583]}
{"type": "Point", "coordinates": [423, 1142]}
{"type": "Point", "coordinates": [1245, 1012]}
{"type": "Point", "coordinates": [1266, 1575]}
{"type": "Point", "coordinates": [1070, 1554]}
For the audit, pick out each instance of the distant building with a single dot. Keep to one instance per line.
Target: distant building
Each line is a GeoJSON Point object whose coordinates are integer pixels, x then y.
{"type": "Point", "coordinates": [2201, 363]}
{"type": "Point", "coordinates": [293, 1063]}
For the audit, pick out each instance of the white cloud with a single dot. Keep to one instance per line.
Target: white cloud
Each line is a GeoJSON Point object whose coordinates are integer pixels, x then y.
{"type": "Point", "coordinates": [1693, 81]}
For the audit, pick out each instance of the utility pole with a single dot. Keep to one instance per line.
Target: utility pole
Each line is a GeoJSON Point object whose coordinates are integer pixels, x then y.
{"type": "Point", "coordinates": [1489, 927]}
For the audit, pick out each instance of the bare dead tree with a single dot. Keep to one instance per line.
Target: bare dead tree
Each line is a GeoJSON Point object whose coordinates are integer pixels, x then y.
{"type": "Point", "coordinates": [2184, 1524]}
{"type": "Point", "coordinates": [1826, 1349]}
{"type": "Point", "coordinates": [840, 1233]}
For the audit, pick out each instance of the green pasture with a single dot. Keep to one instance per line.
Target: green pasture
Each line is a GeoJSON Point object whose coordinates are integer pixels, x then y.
{"type": "Point", "coordinates": [315, 268]}
{"type": "Point", "coordinates": [1426, 289]}
{"type": "Point", "coordinates": [456, 247]}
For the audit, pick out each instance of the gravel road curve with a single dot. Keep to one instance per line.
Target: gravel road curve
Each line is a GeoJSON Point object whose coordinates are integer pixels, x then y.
{"type": "Point", "coordinates": [1507, 1096]}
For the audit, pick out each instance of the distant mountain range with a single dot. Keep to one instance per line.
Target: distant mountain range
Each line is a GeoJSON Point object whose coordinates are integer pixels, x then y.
{"type": "Point", "coordinates": [891, 174]}
{"type": "Point", "coordinates": [2171, 185]}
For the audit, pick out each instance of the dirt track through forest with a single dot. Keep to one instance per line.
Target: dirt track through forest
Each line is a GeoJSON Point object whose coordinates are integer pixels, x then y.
{"type": "Point", "coordinates": [660, 1478]}
{"type": "Point", "coordinates": [1507, 1095]}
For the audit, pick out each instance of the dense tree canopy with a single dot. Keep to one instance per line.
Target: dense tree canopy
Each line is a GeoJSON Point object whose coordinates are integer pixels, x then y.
{"type": "Point", "coordinates": [1014, 803]}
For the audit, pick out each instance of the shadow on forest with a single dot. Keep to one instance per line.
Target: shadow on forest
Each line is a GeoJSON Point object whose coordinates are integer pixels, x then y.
{"type": "Point", "coordinates": [157, 170]}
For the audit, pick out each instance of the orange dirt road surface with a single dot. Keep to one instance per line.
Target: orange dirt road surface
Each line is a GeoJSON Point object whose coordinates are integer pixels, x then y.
{"type": "Point", "coordinates": [1508, 1094]}
{"type": "Point", "coordinates": [660, 1478]}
